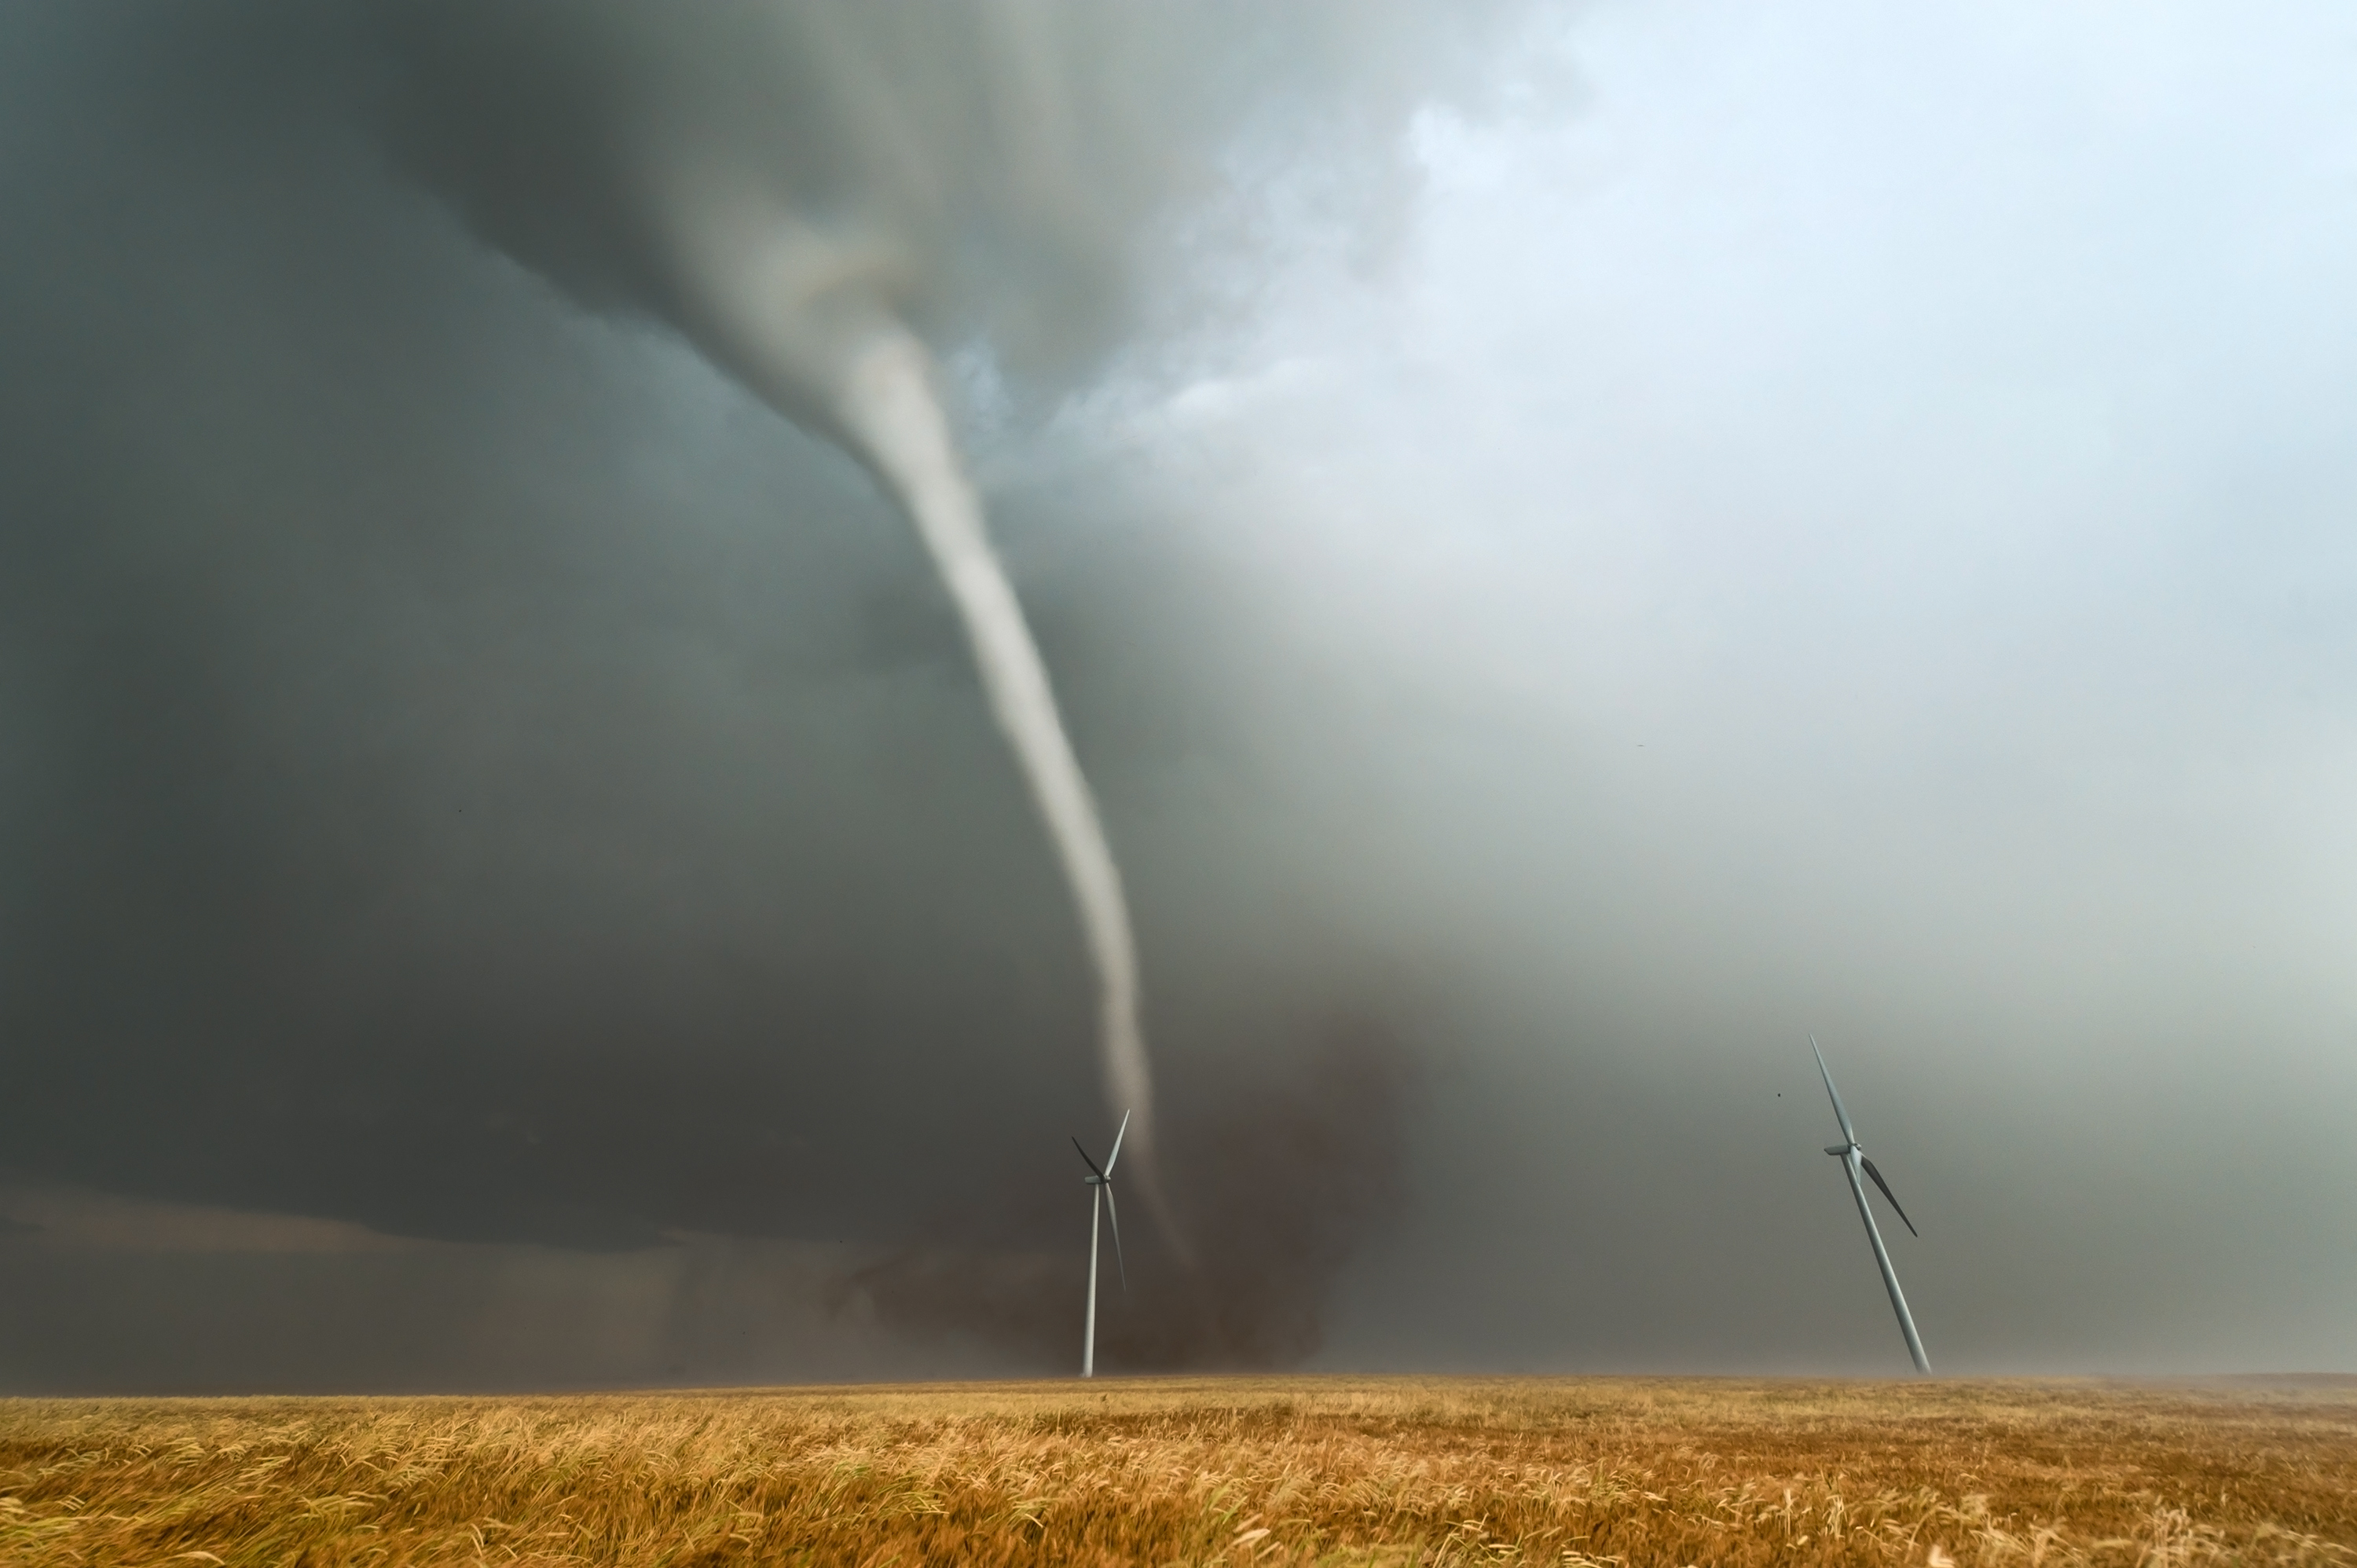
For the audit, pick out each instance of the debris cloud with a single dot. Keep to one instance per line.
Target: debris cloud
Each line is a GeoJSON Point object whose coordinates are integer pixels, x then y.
{"type": "Point", "coordinates": [1281, 1175]}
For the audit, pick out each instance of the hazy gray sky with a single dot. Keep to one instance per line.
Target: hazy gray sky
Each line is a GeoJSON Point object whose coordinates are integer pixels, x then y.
{"type": "Point", "coordinates": [1572, 561]}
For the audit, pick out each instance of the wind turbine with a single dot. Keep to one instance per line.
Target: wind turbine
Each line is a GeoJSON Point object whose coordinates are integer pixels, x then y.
{"type": "Point", "coordinates": [1100, 1178]}
{"type": "Point", "coordinates": [1853, 1160]}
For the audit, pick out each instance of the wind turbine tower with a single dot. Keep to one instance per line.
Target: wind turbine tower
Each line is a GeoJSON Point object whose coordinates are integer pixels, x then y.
{"type": "Point", "coordinates": [1854, 1160]}
{"type": "Point", "coordinates": [1100, 1180]}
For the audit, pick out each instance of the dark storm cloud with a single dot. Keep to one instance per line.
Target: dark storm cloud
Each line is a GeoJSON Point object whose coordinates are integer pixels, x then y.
{"type": "Point", "coordinates": [507, 877]}
{"type": "Point", "coordinates": [473, 773]}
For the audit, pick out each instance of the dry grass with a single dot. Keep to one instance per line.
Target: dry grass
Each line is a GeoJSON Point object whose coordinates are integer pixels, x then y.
{"type": "Point", "coordinates": [1271, 1470]}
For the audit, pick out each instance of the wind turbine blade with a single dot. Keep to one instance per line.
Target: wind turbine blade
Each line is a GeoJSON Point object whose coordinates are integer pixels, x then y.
{"type": "Point", "coordinates": [1840, 1116]}
{"type": "Point", "coordinates": [1086, 1161]}
{"type": "Point", "coordinates": [1113, 1213]}
{"type": "Point", "coordinates": [1117, 1137]}
{"type": "Point", "coordinates": [1885, 1192]}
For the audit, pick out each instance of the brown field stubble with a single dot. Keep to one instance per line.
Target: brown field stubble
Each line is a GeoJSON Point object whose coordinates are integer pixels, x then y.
{"type": "Point", "coordinates": [1345, 1470]}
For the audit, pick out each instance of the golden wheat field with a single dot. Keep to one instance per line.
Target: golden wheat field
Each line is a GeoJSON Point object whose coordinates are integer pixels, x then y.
{"type": "Point", "coordinates": [1293, 1470]}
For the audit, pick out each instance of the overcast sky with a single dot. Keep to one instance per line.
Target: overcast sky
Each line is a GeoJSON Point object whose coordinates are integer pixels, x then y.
{"type": "Point", "coordinates": [1572, 559]}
